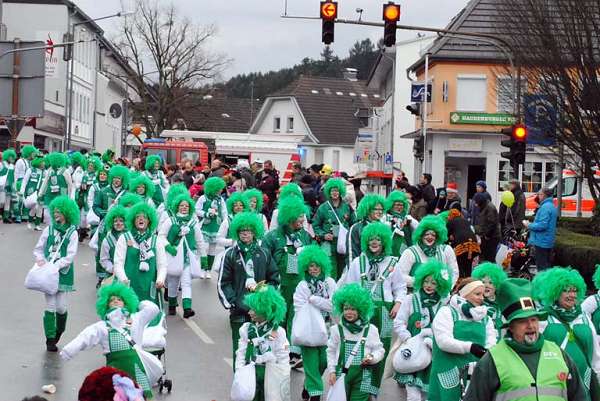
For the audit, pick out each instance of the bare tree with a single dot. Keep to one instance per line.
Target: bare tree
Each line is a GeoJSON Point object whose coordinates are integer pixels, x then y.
{"type": "Point", "coordinates": [169, 55]}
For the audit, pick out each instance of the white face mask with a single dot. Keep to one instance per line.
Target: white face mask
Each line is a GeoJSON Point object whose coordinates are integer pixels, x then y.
{"type": "Point", "coordinates": [117, 317]}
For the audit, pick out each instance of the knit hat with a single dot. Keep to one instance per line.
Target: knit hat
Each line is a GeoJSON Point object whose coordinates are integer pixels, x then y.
{"type": "Point", "coordinates": [356, 297]}
{"type": "Point", "coordinates": [138, 179]}
{"type": "Point", "coordinates": [28, 150]}
{"type": "Point", "coordinates": [397, 196]}
{"type": "Point", "coordinates": [113, 213]}
{"type": "Point", "coordinates": [551, 283]}
{"type": "Point", "coordinates": [491, 270]}
{"type": "Point", "coordinates": [146, 210]}
{"type": "Point", "coordinates": [151, 161]}
{"type": "Point", "coordinates": [254, 194]}
{"type": "Point", "coordinates": [377, 230]}
{"type": "Point", "coordinates": [213, 186]}
{"type": "Point", "coordinates": [268, 303]}
{"type": "Point", "coordinates": [290, 209]}
{"type": "Point", "coordinates": [246, 220]}
{"type": "Point", "coordinates": [313, 254]}
{"type": "Point", "coordinates": [452, 187]}
{"type": "Point", "coordinates": [126, 293]}
{"type": "Point", "coordinates": [439, 272]}
{"type": "Point", "coordinates": [121, 172]}
{"type": "Point", "coordinates": [129, 199]}
{"type": "Point", "coordinates": [481, 184]}
{"type": "Point", "coordinates": [514, 299]}
{"type": "Point", "coordinates": [67, 207]}
{"type": "Point", "coordinates": [334, 183]}
{"type": "Point", "coordinates": [367, 204]}
{"type": "Point", "coordinates": [290, 189]}
{"type": "Point", "coordinates": [236, 197]}
{"type": "Point", "coordinates": [433, 223]}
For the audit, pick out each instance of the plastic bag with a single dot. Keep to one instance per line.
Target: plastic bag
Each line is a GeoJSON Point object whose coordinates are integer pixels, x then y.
{"type": "Point", "coordinates": [412, 356]}
{"type": "Point", "coordinates": [92, 218]}
{"type": "Point", "coordinates": [30, 201]}
{"type": "Point", "coordinates": [337, 392]}
{"type": "Point", "coordinates": [195, 269]}
{"type": "Point", "coordinates": [243, 387]}
{"type": "Point", "coordinates": [94, 240]}
{"type": "Point", "coordinates": [152, 365]}
{"type": "Point", "coordinates": [502, 253]}
{"type": "Point", "coordinates": [154, 336]}
{"type": "Point", "coordinates": [277, 382]}
{"type": "Point", "coordinates": [175, 263]}
{"type": "Point", "coordinates": [308, 327]}
{"type": "Point", "coordinates": [43, 278]}
{"type": "Point", "coordinates": [342, 240]}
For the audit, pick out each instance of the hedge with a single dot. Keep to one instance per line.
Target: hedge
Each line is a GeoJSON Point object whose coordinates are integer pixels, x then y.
{"type": "Point", "coordinates": [579, 251]}
{"type": "Point", "coordinates": [579, 225]}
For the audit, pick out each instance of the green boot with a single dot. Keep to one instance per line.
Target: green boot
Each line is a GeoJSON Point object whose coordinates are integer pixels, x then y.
{"type": "Point", "coordinates": [172, 306]}
{"type": "Point", "coordinates": [61, 324]}
{"type": "Point", "coordinates": [50, 331]}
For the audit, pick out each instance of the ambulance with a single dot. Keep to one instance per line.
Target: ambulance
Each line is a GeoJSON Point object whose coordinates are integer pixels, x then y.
{"type": "Point", "coordinates": [569, 196]}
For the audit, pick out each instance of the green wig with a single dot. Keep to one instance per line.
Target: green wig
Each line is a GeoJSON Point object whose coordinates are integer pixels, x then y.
{"type": "Point", "coordinates": [56, 160]}
{"type": "Point", "coordinates": [151, 160]}
{"type": "Point", "coordinates": [28, 150]}
{"type": "Point", "coordinates": [247, 220]}
{"type": "Point", "coordinates": [313, 254]}
{"type": "Point", "coordinates": [444, 216]}
{"type": "Point", "coordinates": [367, 204]}
{"type": "Point", "coordinates": [356, 297]}
{"type": "Point", "coordinates": [235, 198]}
{"type": "Point", "coordinates": [130, 199]}
{"type": "Point", "coordinates": [290, 209]}
{"type": "Point", "coordinates": [9, 154]}
{"type": "Point", "coordinates": [268, 303]}
{"type": "Point", "coordinates": [213, 186]}
{"type": "Point", "coordinates": [377, 230]}
{"type": "Point", "coordinates": [119, 171]}
{"type": "Point", "coordinates": [141, 179]}
{"type": "Point", "coordinates": [174, 191]}
{"type": "Point", "coordinates": [96, 162]}
{"type": "Point", "coordinates": [290, 189]}
{"type": "Point", "coordinates": [113, 213]}
{"type": "Point", "coordinates": [397, 196]}
{"type": "Point", "coordinates": [77, 159]}
{"type": "Point", "coordinates": [256, 194]}
{"type": "Point", "coordinates": [337, 183]}
{"type": "Point", "coordinates": [550, 284]}
{"type": "Point", "coordinates": [116, 289]}
{"type": "Point", "coordinates": [176, 201]}
{"type": "Point", "coordinates": [433, 223]}
{"type": "Point", "coordinates": [491, 270]}
{"type": "Point", "coordinates": [107, 156]}
{"type": "Point", "coordinates": [67, 207]}
{"type": "Point", "coordinates": [145, 209]}
{"type": "Point", "coordinates": [37, 162]}
{"type": "Point", "coordinates": [439, 272]}
{"type": "Point", "coordinates": [596, 277]}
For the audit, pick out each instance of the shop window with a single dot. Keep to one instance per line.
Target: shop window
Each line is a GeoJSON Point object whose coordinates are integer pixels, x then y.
{"type": "Point", "coordinates": [532, 176]}
{"type": "Point", "coordinates": [471, 93]}
{"type": "Point", "coordinates": [505, 174]}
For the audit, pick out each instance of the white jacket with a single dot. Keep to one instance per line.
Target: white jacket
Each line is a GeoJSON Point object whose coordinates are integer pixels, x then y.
{"type": "Point", "coordinates": [61, 262]}
{"type": "Point", "coordinates": [279, 348]}
{"type": "Point", "coordinates": [165, 226]}
{"type": "Point", "coordinates": [407, 260]}
{"type": "Point", "coordinates": [394, 287]}
{"type": "Point", "coordinates": [590, 305]}
{"type": "Point", "coordinates": [303, 296]}
{"type": "Point", "coordinates": [373, 345]}
{"type": "Point", "coordinates": [121, 254]}
{"type": "Point", "coordinates": [406, 309]}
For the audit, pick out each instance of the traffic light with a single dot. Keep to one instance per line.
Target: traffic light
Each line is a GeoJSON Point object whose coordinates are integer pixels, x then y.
{"type": "Point", "coordinates": [517, 145]}
{"type": "Point", "coordinates": [328, 13]}
{"type": "Point", "coordinates": [415, 109]}
{"type": "Point", "coordinates": [67, 49]}
{"type": "Point", "coordinates": [391, 16]}
{"type": "Point", "coordinates": [419, 147]}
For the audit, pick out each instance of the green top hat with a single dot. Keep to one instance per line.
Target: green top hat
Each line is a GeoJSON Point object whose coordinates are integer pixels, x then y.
{"type": "Point", "coordinates": [514, 299]}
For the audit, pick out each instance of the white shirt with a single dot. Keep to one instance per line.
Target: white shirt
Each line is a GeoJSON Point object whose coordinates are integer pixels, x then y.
{"type": "Point", "coordinates": [61, 262]}
{"type": "Point", "coordinates": [407, 261]}
{"type": "Point", "coordinates": [373, 345]}
{"type": "Point", "coordinates": [394, 287]}
{"type": "Point", "coordinates": [121, 253]}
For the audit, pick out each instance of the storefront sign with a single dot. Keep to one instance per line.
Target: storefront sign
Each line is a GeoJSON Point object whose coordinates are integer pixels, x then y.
{"type": "Point", "coordinates": [458, 117]}
{"type": "Point", "coordinates": [53, 55]}
{"type": "Point", "coordinates": [465, 145]}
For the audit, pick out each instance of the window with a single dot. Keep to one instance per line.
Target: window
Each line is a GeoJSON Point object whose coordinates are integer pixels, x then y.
{"type": "Point", "coordinates": [570, 186]}
{"type": "Point", "coordinates": [552, 170]}
{"type": "Point", "coordinates": [318, 156]}
{"type": "Point", "coordinates": [471, 93]}
{"type": "Point", "coordinates": [290, 124]}
{"type": "Point", "coordinates": [276, 124]}
{"type": "Point", "coordinates": [505, 174]}
{"type": "Point", "coordinates": [336, 160]}
{"type": "Point", "coordinates": [505, 93]}
{"type": "Point", "coordinates": [190, 155]}
{"type": "Point", "coordinates": [532, 176]}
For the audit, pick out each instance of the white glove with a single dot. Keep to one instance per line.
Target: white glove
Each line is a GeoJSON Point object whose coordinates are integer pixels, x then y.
{"type": "Point", "coordinates": [212, 212]}
{"type": "Point", "coordinates": [478, 312]}
{"type": "Point", "coordinates": [184, 231]}
{"type": "Point", "coordinates": [426, 333]}
{"type": "Point", "coordinates": [65, 356]}
{"type": "Point", "coordinates": [266, 358]}
{"type": "Point", "coordinates": [428, 341]}
{"type": "Point", "coordinates": [399, 232]}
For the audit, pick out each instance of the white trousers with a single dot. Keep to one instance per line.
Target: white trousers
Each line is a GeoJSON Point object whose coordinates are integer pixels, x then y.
{"type": "Point", "coordinates": [185, 280]}
{"type": "Point", "coordinates": [37, 211]}
{"type": "Point", "coordinates": [415, 394]}
{"type": "Point", "coordinates": [57, 302]}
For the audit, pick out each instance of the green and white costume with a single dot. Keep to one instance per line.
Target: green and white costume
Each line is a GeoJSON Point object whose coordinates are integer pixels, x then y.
{"type": "Point", "coordinates": [161, 184]}
{"type": "Point", "coordinates": [8, 194]}
{"type": "Point", "coordinates": [32, 181]}
{"type": "Point", "coordinates": [211, 211]}
{"type": "Point", "coordinates": [418, 254]}
{"type": "Point", "coordinates": [57, 182]}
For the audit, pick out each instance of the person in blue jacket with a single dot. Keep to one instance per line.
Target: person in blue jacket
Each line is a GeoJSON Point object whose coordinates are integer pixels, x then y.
{"type": "Point", "coordinates": [542, 232]}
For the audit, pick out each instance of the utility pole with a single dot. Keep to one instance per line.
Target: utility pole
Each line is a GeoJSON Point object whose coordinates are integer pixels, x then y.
{"type": "Point", "coordinates": [425, 168]}
{"type": "Point", "coordinates": [2, 26]}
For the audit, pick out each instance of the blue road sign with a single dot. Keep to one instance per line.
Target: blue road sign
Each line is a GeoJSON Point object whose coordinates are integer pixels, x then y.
{"type": "Point", "coordinates": [417, 92]}
{"type": "Point", "coordinates": [540, 118]}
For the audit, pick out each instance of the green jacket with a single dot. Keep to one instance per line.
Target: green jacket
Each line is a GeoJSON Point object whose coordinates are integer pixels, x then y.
{"type": "Point", "coordinates": [275, 242]}
{"type": "Point", "coordinates": [104, 199]}
{"type": "Point", "coordinates": [231, 286]}
{"type": "Point", "coordinates": [325, 219]}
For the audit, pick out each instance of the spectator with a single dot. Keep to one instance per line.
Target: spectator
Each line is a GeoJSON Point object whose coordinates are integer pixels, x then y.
{"type": "Point", "coordinates": [518, 209]}
{"type": "Point", "coordinates": [488, 228]}
{"type": "Point", "coordinates": [239, 182]}
{"type": "Point", "coordinates": [244, 169]}
{"type": "Point", "coordinates": [464, 242]}
{"type": "Point", "coordinates": [418, 207]}
{"type": "Point", "coordinates": [217, 169]}
{"type": "Point", "coordinates": [188, 173]}
{"type": "Point", "coordinates": [427, 190]}
{"type": "Point", "coordinates": [256, 167]}
{"type": "Point", "coordinates": [297, 172]}
{"type": "Point", "coordinates": [441, 200]}
{"type": "Point", "coordinates": [453, 200]}
{"type": "Point", "coordinates": [350, 197]}
{"type": "Point", "coordinates": [543, 229]}
{"type": "Point", "coordinates": [268, 182]}
{"type": "Point", "coordinates": [103, 384]}
{"type": "Point", "coordinates": [480, 188]}
{"type": "Point", "coordinates": [310, 197]}
{"type": "Point", "coordinates": [358, 193]}
{"type": "Point", "coordinates": [315, 172]}
{"type": "Point", "coordinates": [197, 187]}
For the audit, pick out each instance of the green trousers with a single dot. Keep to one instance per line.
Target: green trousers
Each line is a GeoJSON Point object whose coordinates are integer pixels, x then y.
{"type": "Point", "coordinates": [287, 292]}
{"type": "Point", "coordinates": [260, 383]}
{"type": "Point", "coordinates": [314, 361]}
{"type": "Point", "coordinates": [353, 382]}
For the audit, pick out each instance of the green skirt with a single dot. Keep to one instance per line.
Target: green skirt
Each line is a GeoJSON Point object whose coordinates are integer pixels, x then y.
{"type": "Point", "coordinates": [129, 362]}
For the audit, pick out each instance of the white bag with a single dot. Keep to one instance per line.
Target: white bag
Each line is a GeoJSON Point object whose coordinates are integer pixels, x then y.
{"type": "Point", "coordinates": [243, 387]}
{"type": "Point", "coordinates": [195, 270]}
{"type": "Point", "coordinates": [154, 336]}
{"type": "Point", "coordinates": [502, 253]}
{"type": "Point", "coordinates": [43, 278]}
{"type": "Point", "coordinates": [413, 356]}
{"type": "Point", "coordinates": [216, 266]}
{"type": "Point", "coordinates": [31, 201]}
{"type": "Point", "coordinates": [337, 392]}
{"type": "Point", "coordinates": [94, 240]}
{"type": "Point", "coordinates": [3, 181]}
{"type": "Point", "coordinates": [308, 327]}
{"type": "Point", "coordinates": [152, 365]}
{"type": "Point", "coordinates": [92, 218]}
{"type": "Point", "coordinates": [277, 382]}
{"type": "Point", "coordinates": [342, 240]}
{"type": "Point", "coordinates": [175, 263]}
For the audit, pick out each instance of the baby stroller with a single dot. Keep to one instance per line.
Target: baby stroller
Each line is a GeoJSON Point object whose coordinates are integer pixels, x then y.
{"type": "Point", "coordinates": [465, 374]}
{"type": "Point", "coordinates": [154, 342]}
{"type": "Point", "coordinates": [516, 257]}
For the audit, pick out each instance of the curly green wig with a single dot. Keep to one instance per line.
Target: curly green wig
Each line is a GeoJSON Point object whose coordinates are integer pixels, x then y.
{"type": "Point", "coordinates": [290, 189]}
{"type": "Point", "coordinates": [248, 220]}
{"type": "Point", "coordinates": [116, 289]}
{"type": "Point", "coordinates": [313, 254]}
{"type": "Point", "coordinates": [444, 216]}
{"type": "Point", "coordinates": [549, 284]}
{"type": "Point", "coordinates": [142, 179]}
{"type": "Point", "coordinates": [379, 230]}
{"type": "Point", "coordinates": [145, 209]}
{"type": "Point", "coordinates": [334, 183]}
{"type": "Point", "coordinates": [96, 162]}
{"type": "Point", "coordinates": [28, 150]}
{"type": "Point", "coordinates": [176, 201]}
{"type": "Point", "coordinates": [397, 196]}
{"type": "Point", "coordinates": [235, 198]}
{"type": "Point", "coordinates": [129, 199]}
{"type": "Point", "coordinates": [174, 191]}
{"type": "Point", "coordinates": [268, 303]}
{"type": "Point", "coordinates": [107, 156]}
{"type": "Point", "coordinates": [213, 186]}
{"type": "Point", "coordinates": [367, 204]}
{"type": "Point", "coordinates": [439, 272]}
{"type": "Point", "coordinates": [9, 154]}
{"type": "Point", "coordinates": [113, 213]}
{"type": "Point", "coordinates": [56, 160]}
{"type": "Point", "coordinates": [67, 207]}
{"type": "Point", "coordinates": [290, 209]}
{"type": "Point", "coordinates": [433, 223]}
{"type": "Point", "coordinates": [596, 277]}
{"type": "Point", "coordinates": [151, 160]}
{"type": "Point", "coordinates": [77, 159]}
{"type": "Point", "coordinates": [356, 297]}
{"type": "Point", "coordinates": [119, 171]}
{"type": "Point", "coordinates": [256, 194]}
{"type": "Point", "coordinates": [37, 162]}
{"type": "Point", "coordinates": [491, 270]}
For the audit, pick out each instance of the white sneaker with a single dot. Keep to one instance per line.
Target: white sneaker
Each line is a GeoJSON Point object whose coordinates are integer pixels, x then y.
{"type": "Point", "coordinates": [38, 228]}
{"type": "Point", "coordinates": [29, 226]}
{"type": "Point", "coordinates": [208, 275]}
{"type": "Point", "coordinates": [203, 274]}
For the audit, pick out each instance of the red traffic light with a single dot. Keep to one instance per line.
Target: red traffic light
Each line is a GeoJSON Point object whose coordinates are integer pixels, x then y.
{"type": "Point", "coordinates": [329, 10]}
{"type": "Point", "coordinates": [391, 12]}
{"type": "Point", "coordinates": [520, 133]}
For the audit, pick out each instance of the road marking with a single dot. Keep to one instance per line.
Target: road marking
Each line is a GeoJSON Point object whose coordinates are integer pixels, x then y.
{"type": "Point", "coordinates": [195, 328]}
{"type": "Point", "coordinates": [229, 361]}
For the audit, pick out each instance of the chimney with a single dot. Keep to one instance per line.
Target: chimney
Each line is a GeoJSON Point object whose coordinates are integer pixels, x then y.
{"type": "Point", "coordinates": [350, 74]}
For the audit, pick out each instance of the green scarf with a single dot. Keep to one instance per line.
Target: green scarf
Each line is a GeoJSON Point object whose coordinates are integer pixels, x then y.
{"type": "Point", "coordinates": [61, 228]}
{"type": "Point", "coordinates": [316, 284]}
{"type": "Point", "coordinates": [102, 184]}
{"type": "Point", "coordinates": [140, 237]}
{"type": "Point", "coordinates": [258, 330]}
{"type": "Point", "coordinates": [466, 309]}
{"type": "Point", "coordinates": [354, 327]}
{"type": "Point", "coordinates": [396, 214]}
{"type": "Point", "coordinates": [521, 348]}
{"type": "Point", "coordinates": [429, 251]}
{"type": "Point", "coordinates": [247, 250]}
{"type": "Point", "coordinates": [565, 316]}
{"type": "Point", "coordinates": [374, 259]}
{"type": "Point", "coordinates": [115, 233]}
{"type": "Point", "coordinates": [183, 219]}
{"type": "Point", "coordinates": [427, 300]}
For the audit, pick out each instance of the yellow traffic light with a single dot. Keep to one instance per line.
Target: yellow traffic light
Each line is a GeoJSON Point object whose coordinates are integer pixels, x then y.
{"type": "Point", "coordinates": [391, 12]}
{"type": "Point", "coordinates": [329, 10]}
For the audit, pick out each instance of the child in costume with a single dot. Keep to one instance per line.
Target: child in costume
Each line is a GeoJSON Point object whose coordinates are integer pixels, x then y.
{"type": "Point", "coordinates": [155, 174]}
{"type": "Point", "coordinates": [236, 203]}
{"type": "Point", "coordinates": [429, 241]}
{"type": "Point", "coordinates": [91, 166]}
{"type": "Point", "coordinates": [561, 291]}
{"type": "Point", "coordinates": [354, 346]}
{"type": "Point", "coordinates": [371, 208]}
{"type": "Point", "coordinates": [328, 219]}
{"type": "Point", "coordinates": [291, 189]}
{"type": "Point", "coordinates": [59, 237]}
{"type": "Point", "coordinates": [243, 267]}
{"type": "Point", "coordinates": [263, 339]}
{"type": "Point", "coordinates": [31, 184]}
{"type": "Point", "coordinates": [100, 181]}
{"type": "Point", "coordinates": [402, 224]}
{"type": "Point", "coordinates": [491, 275]}
{"type": "Point", "coordinates": [28, 153]}
{"type": "Point", "coordinates": [254, 197]}
{"type": "Point", "coordinates": [143, 186]}
{"type": "Point", "coordinates": [8, 196]}
{"type": "Point", "coordinates": [317, 289]}
{"type": "Point", "coordinates": [183, 236]}
{"type": "Point", "coordinates": [78, 163]}
{"type": "Point", "coordinates": [415, 317]}
{"type": "Point", "coordinates": [115, 226]}
{"type": "Point", "coordinates": [118, 180]}
{"type": "Point", "coordinates": [212, 211]}
{"type": "Point", "coordinates": [591, 305]}
{"type": "Point", "coordinates": [174, 190]}
{"type": "Point", "coordinates": [123, 319]}
{"type": "Point", "coordinates": [57, 180]}
{"type": "Point", "coordinates": [375, 270]}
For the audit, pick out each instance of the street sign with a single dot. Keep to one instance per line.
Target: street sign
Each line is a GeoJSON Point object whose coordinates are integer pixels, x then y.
{"type": "Point", "coordinates": [458, 117]}
{"type": "Point", "coordinates": [540, 118]}
{"type": "Point", "coordinates": [417, 91]}
{"type": "Point", "coordinates": [115, 110]}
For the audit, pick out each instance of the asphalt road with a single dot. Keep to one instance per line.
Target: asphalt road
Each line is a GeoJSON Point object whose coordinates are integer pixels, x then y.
{"type": "Point", "coordinates": [198, 357]}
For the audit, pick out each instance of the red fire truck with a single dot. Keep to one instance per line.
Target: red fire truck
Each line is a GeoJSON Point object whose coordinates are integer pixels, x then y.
{"type": "Point", "coordinates": [172, 152]}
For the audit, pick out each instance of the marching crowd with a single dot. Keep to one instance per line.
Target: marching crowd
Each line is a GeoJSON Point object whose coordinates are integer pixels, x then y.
{"type": "Point", "coordinates": [355, 288]}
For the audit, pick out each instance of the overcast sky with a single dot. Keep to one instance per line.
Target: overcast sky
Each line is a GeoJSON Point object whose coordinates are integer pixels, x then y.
{"type": "Point", "coordinates": [253, 34]}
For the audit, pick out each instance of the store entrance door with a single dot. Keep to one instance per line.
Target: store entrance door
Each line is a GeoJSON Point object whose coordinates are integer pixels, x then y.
{"type": "Point", "coordinates": [475, 173]}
